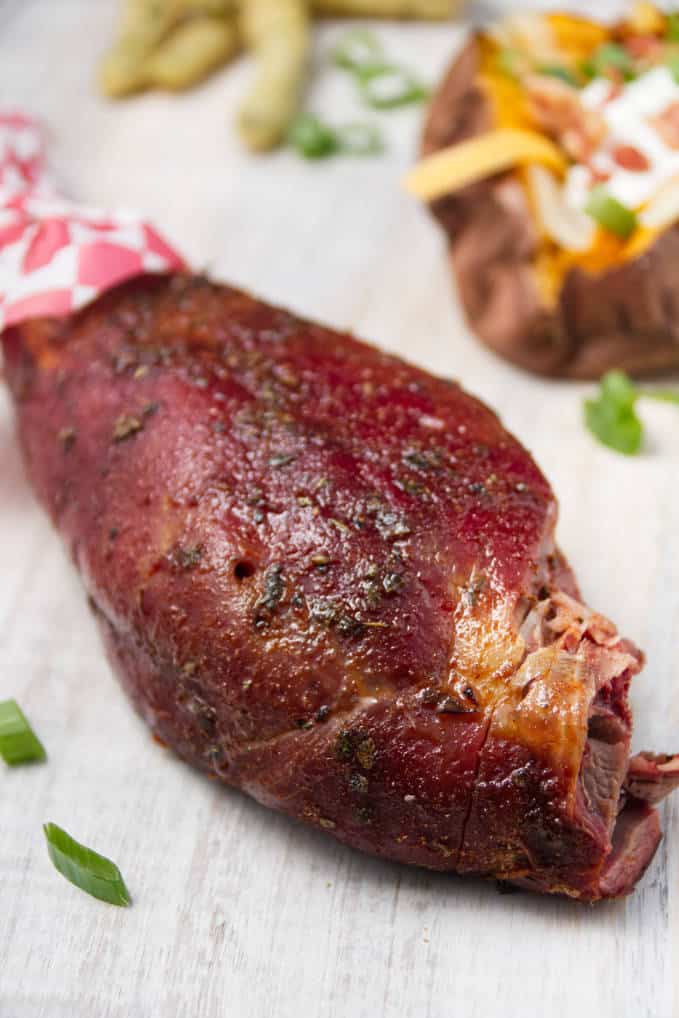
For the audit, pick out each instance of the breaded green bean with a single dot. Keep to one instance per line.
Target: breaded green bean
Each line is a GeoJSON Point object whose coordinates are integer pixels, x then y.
{"type": "Point", "coordinates": [278, 33]}
{"type": "Point", "coordinates": [433, 10]}
{"type": "Point", "coordinates": [145, 24]}
{"type": "Point", "coordinates": [121, 71]}
{"type": "Point", "coordinates": [150, 20]}
{"type": "Point", "coordinates": [192, 51]}
{"type": "Point", "coordinates": [214, 7]}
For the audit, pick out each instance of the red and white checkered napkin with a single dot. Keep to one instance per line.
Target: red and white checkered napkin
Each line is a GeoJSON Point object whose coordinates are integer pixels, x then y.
{"type": "Point", "coordinates": [56, 256]}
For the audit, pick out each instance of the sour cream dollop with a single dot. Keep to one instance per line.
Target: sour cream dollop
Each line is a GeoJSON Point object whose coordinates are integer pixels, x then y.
{"type": "Point", "coordinates": [627, 117]}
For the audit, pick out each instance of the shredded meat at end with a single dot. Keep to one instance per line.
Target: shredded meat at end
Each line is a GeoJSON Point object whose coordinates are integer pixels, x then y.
{"type": "Point", "coordinates": [652, 776]}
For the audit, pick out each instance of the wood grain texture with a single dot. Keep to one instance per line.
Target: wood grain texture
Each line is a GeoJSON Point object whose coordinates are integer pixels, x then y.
{"type": "Point", "coordinates": [237, 911]}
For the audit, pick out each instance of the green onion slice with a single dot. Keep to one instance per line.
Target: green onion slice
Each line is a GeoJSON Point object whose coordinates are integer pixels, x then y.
{"type": "Point", "coordinates": [18, 742]}
{"type": "Point", "coordinates": [587, 69]}
{"type": "Point", "coordinates": [315, 140]}
{"type": "Point", "coordinates": [360, 139]}
{"type": "Point", "coordinates": [672, 63]}
{"type": "Point", "coordinates": [672, 33]}
{"type": "Point", "coordinates": [557, 71]}
{"type": "Point", "coordinates": [662, 395]}
{"type": "Point", "coordinates": [356, 49]}
{"type": "Point", "coordinates": [387, 86]}
{"type": "Point", "coordinates": [609, 212]}
{"type": "Point", "coordinates": [610, 56]}
{"type": "Point", "coordinates": [312, 138]}
{"type": "Point", "coordinates": [612, 416]}
{"type": "Point", "coordinates": [86, 869]}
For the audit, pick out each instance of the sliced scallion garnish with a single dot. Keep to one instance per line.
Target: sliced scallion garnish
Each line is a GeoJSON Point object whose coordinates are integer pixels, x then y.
{"type": "Point", "coordinates": [587, 69]}
{"type": "Point", "coordinates": [88, 870]}
{"type": "Point", "coordinates": [311, 137]}
{"type": "Point", "coordinates": [18, 742]}
{"type": "Point", "coordinates": [610, 56]}
{"type": "Point", "coordinates": [315, 140]}
{"type": "Point", "coordinates": [672, 33]}
{"type": "Point", "coordinates": [360, 139]}
{"type": "Point", "coordinates": [610, 213]}
{"type": "Point", "coordinates": [672, 64]}
{"type": "Point", "coordinates": [661, 395]}
{"type": "Point", "coordinates": [388, 86]}
{"type": "Point", "coordinates": [558, 71]}
{"type": "Point", "coordinates": [612, 416]}
{"type": "Point", "coordinates": [356, 49]}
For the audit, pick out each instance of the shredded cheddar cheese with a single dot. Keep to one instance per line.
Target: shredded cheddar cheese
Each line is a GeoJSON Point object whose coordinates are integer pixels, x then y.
{"type": "Point", "coordinates": [455, 167]}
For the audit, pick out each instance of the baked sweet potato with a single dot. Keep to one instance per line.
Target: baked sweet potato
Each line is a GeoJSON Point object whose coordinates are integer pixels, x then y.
{"type": "Point", "coordinates": [330, 579]}
{"type": "Point", "coordinates": [535, 285]}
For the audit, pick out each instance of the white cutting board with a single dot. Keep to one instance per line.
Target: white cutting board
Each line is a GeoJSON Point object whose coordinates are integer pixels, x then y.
{"type": "Point", "coordinates": [239, 912]}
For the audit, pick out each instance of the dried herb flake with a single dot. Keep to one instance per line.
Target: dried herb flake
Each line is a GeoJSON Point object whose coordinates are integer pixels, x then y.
{"type": "Point", "coordinates": [126, 426]}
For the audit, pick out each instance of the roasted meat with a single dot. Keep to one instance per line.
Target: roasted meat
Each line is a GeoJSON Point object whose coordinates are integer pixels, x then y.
{"type": "Point", "coordinates": [330, 580]}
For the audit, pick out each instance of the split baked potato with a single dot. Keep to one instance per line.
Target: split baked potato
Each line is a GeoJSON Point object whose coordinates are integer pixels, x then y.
{"type": "Point", "coordinates": [550, 156]}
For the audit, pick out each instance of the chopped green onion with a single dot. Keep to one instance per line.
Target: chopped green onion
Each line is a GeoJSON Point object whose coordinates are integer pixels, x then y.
{"type": "Point", "coordinates": [360, 139]}
{"type": "Point", "coordinates": [315, 140]}
{"type": "Point", "coordinates": [384, 85]}
{"type": "Point", "coordinates": [587, 69]}
{"type": "Point", "coordinates": [86, 869]}
{"type": "Point", "coordinates": [610, 213]}
{"type": "Point", "coordinates": [357, 49]}
{"type": "Point", "coordinates": [610, 56]}
{"type": "Point", "coordinates": [18, 742]}
{"type": "Point", "coordinates": [612, 416]}
{"type": "Point", "coordinates": [672, 63]}
{"type": "Point", "coordinates": [312, 138]}
{"type": "Point", "coordinates": [557, 71]}
{"type": "Point", "coordinates": [661, 395]}
{"type": "Point", "coordinates": [672, 33]}
{"type": "Point", "coordinates": [387, 86]}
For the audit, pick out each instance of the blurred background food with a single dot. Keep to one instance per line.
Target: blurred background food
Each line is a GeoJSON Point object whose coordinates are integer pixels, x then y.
{"type": "Point", "coordinates": [551, 160]}
{"type": "Point", "coordinates": [174, 44]}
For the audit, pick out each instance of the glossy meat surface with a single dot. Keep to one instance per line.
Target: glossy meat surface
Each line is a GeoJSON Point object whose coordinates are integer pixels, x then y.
{"type": "Point", "coordinates": [330, 579]}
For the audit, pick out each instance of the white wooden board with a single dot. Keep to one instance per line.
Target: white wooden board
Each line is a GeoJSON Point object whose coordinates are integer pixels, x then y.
{"type": "Point", "coordinates": [238, 912]}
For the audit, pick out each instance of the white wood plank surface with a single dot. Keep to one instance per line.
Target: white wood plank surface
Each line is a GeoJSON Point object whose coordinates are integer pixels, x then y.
{"type": "Point", "coordinates": [238, 911]}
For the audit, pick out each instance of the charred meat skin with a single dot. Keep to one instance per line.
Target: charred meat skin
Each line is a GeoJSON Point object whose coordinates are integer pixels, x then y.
{"type": "Point", "coordinates": [330, 579]}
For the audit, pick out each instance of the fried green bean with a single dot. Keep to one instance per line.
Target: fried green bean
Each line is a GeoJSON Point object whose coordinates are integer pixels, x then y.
{"type": "Point", "coordinates": [278, 33]}
{"type": "Point", "coordinates": [191, 52]}
{"type": "Point", "coordinates": [218, 8]}
{"type": "Point", "coordinates": [145, 24]}
{"type": "Point", "coordinates": [425, 9]}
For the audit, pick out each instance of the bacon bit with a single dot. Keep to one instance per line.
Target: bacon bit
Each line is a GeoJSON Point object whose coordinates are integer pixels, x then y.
{"type": "Point", "coordinates": [617, 87]}
{"type": "Point", "coordinates": [598, 176]}
{"type": "Point", "coordinates": [667, 125]}
{"type": "Point", "coordinates": [557, 109]}
{"type": "Point", "coordinates": [630, 158]}
{"type": "Point", "coordinates": [644, 46]}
